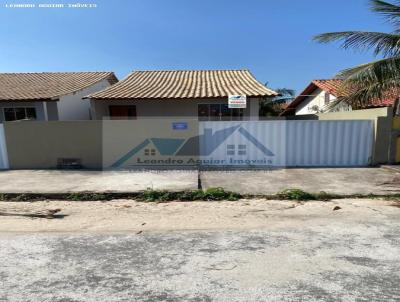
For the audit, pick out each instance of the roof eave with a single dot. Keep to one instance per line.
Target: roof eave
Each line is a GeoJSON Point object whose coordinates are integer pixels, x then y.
{"type": "Point", "coordinates": [31, 100]}
{"type": "Point", "coordinates": [168, 98]}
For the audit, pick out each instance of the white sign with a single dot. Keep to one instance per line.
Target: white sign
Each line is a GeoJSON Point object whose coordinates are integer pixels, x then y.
{"type": "Point", "coordinates": [237, 101]}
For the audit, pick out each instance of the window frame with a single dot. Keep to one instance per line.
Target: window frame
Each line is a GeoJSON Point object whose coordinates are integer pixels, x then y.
{"type": "Point", "coordinates": [127, 117]}
{"type": "Point", "coordinates": [15, 108]}
{"type": "Point", "coordinates": [238, 117]}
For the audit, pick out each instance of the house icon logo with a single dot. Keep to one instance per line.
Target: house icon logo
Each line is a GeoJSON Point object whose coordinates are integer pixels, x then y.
{"type": "Point", "coordinates": [197, 146]}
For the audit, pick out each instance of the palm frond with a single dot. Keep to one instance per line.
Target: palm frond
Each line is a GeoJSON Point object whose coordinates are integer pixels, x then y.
{"type": "Point", "coordinates": [381, 43]}
{"type": "Point", "coordinates": [367, 83]}
{"type": "Point", "coordinates": [390, 10]}
{"type": "Point", "coordinates": [378, 71]}
{"type": "Point", "coordinates": [286, 92]}
{"type": "Point", "coordinates": [362, 96]}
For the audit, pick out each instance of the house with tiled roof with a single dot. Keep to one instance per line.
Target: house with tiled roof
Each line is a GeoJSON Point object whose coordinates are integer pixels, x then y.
{"type": "Point", "coordinates": [202, 94]}
{"type": "Point", "coordinates": [49, 96]}
{"type": "Point", "coordinates": [319, 96]}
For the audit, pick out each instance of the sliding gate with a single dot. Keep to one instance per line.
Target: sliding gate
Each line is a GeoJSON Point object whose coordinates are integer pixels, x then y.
{"type": "Point", "coordinates": [286, 143]}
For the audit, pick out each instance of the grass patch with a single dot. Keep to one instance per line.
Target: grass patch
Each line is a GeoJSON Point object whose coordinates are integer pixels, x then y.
{"type": "Point", "coordinates": [88, 196]}
{"type": "Point", "coordinates": [19, 197]}
{"type": "Point", "coordinates": [206, 195]}
{"type": "Point", "coordinates": [300, 195]}
{"type": "Point", "coordinates": [209, 194]}
{"type": "Point", "coordinates": [295, 194]}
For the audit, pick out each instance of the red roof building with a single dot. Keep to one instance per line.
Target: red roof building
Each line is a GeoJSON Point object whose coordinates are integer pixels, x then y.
{"type": "Point", "coordinates": [320, 93]}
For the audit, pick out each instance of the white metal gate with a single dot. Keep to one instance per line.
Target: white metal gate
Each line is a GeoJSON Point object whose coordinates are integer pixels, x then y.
{"type": "Point", "coordinates": [286, 143]}
{"type": "Point", "coordinates": [3, 150]}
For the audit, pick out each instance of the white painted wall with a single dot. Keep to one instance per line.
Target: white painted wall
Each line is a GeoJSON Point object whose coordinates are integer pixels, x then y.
{"type": "Point", "coordinates": [317, 101]}
{"type": "Point", "coordinates": [74, 107]}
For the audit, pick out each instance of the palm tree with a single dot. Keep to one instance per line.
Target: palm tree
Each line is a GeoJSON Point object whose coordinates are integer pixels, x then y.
{"type": "Point", "coordinates": [275, 106]}
{"type": "Point", "coordinates": [377, 79]}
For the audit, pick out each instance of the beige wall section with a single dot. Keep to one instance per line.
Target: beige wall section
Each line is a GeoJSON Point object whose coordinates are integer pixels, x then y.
{"type": "Point", "coordinates": [169, 108]}
{"type": "Point", "coordinates": [396, 123]}
{"type": "Point", "coordinates": [382, 118]}
{"type": "Point", "coordinates": [396, 139]}
{"type": "Point", "coordinates": [126, 142]}
{"type": "Point", "coordinates": [38, 145]}
{"type": "Point", "coordinates": [97, 144]}
{"type": "Point", "coordinates": [397, 160]}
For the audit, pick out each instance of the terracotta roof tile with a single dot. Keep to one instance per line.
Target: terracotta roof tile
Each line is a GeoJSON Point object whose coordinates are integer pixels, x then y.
{"type": "Point", "coordinates": [184, 84]}
{"type": "Point", "coordinates": [334, 87]}
{"type": "Point", "coordinates": [47, 85]}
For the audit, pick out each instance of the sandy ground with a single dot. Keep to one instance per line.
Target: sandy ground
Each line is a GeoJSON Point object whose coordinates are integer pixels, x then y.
{"type": "Point", "coordinates": [133, 216]}
{"type": "Point", "coordinates": [248, 250]}
{"type": "Point", "coordinates": [202, 251]}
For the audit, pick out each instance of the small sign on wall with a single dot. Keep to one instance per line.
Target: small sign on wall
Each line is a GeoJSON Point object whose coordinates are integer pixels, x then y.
{"type": "Point", "coordinates": [237, 101]}
{"type": "Point", "coordinates": [179, 126]}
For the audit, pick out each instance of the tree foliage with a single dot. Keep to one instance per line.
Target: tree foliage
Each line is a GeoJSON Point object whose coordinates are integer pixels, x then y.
{"type": "Point", "coordinates": [375, 80]}
{"type": "Point", "coordinates": [276, 105]}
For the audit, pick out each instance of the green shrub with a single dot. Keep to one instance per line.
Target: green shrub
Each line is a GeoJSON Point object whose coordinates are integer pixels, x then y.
{"type": "Point", "coordinates": [295, 194]}
{"type": "Point", "coordinates": [4, 197]}
{"type": "Point", "coordinates": [151, 195]}
{"type": "Point", "coordinates": [87, 196]}
{"type": "Point", "coordinates": [209, 194]}
{"type": "Point", "coordinates": [215, 194]}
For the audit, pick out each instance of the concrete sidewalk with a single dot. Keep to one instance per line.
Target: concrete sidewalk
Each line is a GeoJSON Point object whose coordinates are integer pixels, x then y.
{"type": "Point", "coordinates": [385, 180]}
{"type": "Point", "coordinates": [67, 181]}
{"type": "Point", "coordinates": [346, 181]}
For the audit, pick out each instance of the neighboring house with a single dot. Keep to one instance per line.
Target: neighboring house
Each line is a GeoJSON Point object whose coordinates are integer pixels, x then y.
{"type": "Point", "coordinates": [49, 96]}
{"type": "Point", "coordinates": [194, 93]}
{"type": "Point", "coordinates": [319, 95]}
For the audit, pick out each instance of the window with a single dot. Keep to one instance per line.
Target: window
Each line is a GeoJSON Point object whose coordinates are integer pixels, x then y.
{"type": "Point", "coordinates": [19, 113]}
{"type": "Point", "coordinates": [242, 149]}
{"type": "Point", "coordinates": [327, 98]}
{"type": "Point", "coordinates": [149, 152]}
{"type": "Point", "coordinates": [237, 114]}
{"type": "Point", "coordinates": [215, 112]}
{"type": "Point", "coordinates": [203, 112]}
{"type": "Point", "coordinates": [123, 112]}
{"type": "Point", "coordinates": [225, 112]}
{"type": "Point", "coordinates": [230, 150]}
{"type": "Point", "coordinates": [219, 112]}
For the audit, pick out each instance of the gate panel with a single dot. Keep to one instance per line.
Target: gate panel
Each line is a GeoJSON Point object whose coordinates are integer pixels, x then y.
{"type": "Point", "coordinates": [3, 150]}
{"type": "Point", "coordinates": [286, 143]}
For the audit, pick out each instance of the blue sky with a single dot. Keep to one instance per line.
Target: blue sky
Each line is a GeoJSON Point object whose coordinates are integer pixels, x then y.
{"type": "Point", "coordinates": [271, 38]}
